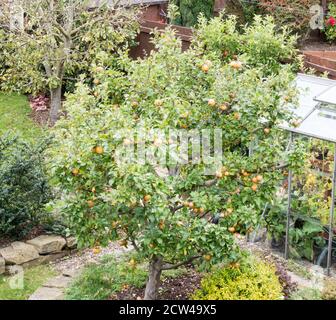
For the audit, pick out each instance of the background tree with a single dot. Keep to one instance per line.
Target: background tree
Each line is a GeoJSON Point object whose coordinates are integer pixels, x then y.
{"type": "Point", "coordinates": [173, 214]}
{"type": "Point", "coordinates": [53, 41]}
{"type": "Point", "coordinates": [189, 11]}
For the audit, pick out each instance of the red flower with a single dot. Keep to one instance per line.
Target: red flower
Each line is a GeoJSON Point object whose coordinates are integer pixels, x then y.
{"type": "Point", "coordinates": [331, 21]}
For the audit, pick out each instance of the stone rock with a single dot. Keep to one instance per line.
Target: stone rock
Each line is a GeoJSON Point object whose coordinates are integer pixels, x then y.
{"type": "Point", "coordinates": [2, 265]}
{"type": "Point", "coordinates": [19, 253]}
{"type": "Point", "coordinates": [45, 293]}
{"type": "Point", "coordinates": [48, 244]}
{"type": "Point", "coordinates": [71, 242]}
{"type": "Point", "coordinates": [58, 282]}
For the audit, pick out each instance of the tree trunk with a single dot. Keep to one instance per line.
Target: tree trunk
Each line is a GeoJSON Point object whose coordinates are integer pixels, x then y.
{"type": "Point", "coordinates": [153, 283]}
{"type": "Point", "coordinates": [55, 103]}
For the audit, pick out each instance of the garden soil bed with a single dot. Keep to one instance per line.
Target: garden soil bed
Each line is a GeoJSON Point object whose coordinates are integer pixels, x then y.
{"type": "Point", "coordinates": [41, 118]}
{"type": "Point", "coordinates": [179, 288]}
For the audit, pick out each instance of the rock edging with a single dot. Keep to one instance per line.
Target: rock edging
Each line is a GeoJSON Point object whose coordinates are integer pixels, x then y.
{"type": "Point", "coordinates": [40, 250]}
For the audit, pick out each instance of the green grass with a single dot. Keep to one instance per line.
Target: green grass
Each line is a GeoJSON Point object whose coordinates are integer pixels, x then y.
{"type": "Point", "coordinates": [306, 294]}
{"type": "Point", "coordinates": [99, 282]}
{"type": "Point", "coordinates": [298, 269]}
{"type": "Point", "coordinates": [15, 116]}
{"type": "Point", "coordinates": [33, 279]}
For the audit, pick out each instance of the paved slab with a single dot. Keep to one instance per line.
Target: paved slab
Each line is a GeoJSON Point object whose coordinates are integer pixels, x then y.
{"type": "Point", "coordinates": [45, 293]}
{"type": "Point", "coordinates": [60, 282]}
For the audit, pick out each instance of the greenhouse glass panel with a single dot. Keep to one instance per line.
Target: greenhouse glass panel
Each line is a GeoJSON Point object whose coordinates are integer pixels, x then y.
{"type": "Point", "coordinates": [328, 96]}
{"type": "Point", "coordinates": [318, 120]}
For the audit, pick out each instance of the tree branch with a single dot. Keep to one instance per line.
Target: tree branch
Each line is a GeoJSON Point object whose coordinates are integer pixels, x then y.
{"type": "Point", "coordinates": [169, 266]}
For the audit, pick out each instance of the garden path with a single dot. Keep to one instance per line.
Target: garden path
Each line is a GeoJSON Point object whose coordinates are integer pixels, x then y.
{"type": "Point", "coordinates": [69, 268]}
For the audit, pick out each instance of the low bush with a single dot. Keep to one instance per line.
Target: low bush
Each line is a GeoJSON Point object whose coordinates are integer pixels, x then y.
{"type": "Point", "coordinates": [251, 280]}
{"type": "Point", "coordinates": [288, 286]}
{"type": "Point", "coordinates": [189, 11]}
{"type": "Point", "coordinates": [24, 186]}
{"type": "Point", "coordinates": [261, 44]}
{"type": "Point", "coordinates": [295, 14]}
{"type": "Point", "coordinates": [329, 290]}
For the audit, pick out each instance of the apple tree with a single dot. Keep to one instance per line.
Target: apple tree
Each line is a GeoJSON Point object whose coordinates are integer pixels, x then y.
{"type": "Point", "coordinates": [46, 44]}
{"type": "Point", "coordinates": [172, 211]}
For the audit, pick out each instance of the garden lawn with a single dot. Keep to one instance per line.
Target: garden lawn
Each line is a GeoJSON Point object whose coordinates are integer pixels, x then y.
{"type": "Point", "coordinates": [15, 116]}
{"type": "Point", "coordinates": [33, 279]}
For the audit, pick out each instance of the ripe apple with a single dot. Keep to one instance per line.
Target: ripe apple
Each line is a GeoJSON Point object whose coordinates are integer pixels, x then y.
{"type": "Point", "coordinates": [219, 174]}
{"type": "Point", "coordinates": [75, 171]}
{"type": "Point", "coordinates": [161, 225]}
{"type": "Point", "coordinates": [201, 210]}
{"type": "Point", "coordinates": [232, 229]}
{"type": "Point", "coordinates": [211, 102]}
{"type": "Point", "coordinates": [100, 69]}
{"type": "Point", "coordinates": [259, 178]}
{"type": "Point", "coordinates": [237, 116]}
{"type": "Point", "coordinates": [132, 263]}
{"type": "Point", "coordinates": [99, 150]}
{"type": "Point", "coordinates": [96, 250]}
{"type": "Point", "coordinates": [158, 103]}
{"type": "Point", "coordinates": [90, 203]}
{"type": "Point", "coordinates": [147, 198]}
{"type": "Point", "coordinates": [205, 68]}
{"type": "Point", "coordinates": [207, 257]}
{"type": "Point", "coordinates": [245, 173]}
{"type": "Point", "coordinates": [96, 81]}
{"type": "Point", "coordinates": [267, 130]}
{"type": "Point", "coordinates": [134, 104]}
{"type": "Point", "coordinates": [191, 205]}
{"type": "Point", "coordinates": [236, 65]}
{"type": "Point", "coordinates": [254, 187]}
{"type": "Point", "coordinates": [254, 180]}
{"type": "Point", "coordinates": [223, 107]}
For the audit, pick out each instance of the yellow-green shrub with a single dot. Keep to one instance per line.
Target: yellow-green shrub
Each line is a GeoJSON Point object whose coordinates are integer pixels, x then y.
{"type": "Point", "coordinates": [329, 290]}
{"type": "Point", "coordinates": [253, 280]}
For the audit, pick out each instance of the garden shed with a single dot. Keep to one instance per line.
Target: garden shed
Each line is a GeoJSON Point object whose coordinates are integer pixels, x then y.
{"type": "Point", "coordinates": [317, 119]}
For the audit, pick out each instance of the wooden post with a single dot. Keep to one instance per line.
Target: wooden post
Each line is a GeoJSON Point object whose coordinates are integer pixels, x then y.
{"type": "Point", "coordinates": [325, 6]}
